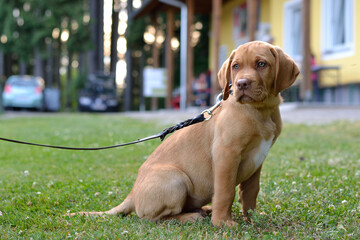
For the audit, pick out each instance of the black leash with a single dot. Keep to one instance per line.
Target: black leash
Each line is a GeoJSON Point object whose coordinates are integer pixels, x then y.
{"type": "Point", "coordinates": [162, 135]}
{"type": "Point", "coordinates": [200, 118]}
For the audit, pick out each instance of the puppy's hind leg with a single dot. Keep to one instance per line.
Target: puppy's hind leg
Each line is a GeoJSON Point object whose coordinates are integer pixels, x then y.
{"type": "Point", "coordinates": [126, 207]}
{"type": "Point", "coordinates": [198, 215]}
{"type": "Point", "coordinates": [206, 210]}
{"type": "Point", "coordinates": [162, 194]}
{"type": "Point", "coordinates": [186, 217]}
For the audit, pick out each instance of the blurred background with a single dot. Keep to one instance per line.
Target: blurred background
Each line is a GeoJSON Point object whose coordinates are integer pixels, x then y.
{"type": "Point", "coordinates": [131, 55]}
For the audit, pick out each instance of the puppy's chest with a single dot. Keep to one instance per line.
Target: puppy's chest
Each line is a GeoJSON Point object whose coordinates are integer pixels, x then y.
{"type": "Point", "coordinates": [262, 148]}
{"type": "Point", "coordinates": [253, 159]}
{"type": "Point", "coordinates": [261, 152]}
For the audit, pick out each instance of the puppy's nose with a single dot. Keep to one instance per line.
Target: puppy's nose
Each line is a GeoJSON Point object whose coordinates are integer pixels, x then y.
{"type": "Point", "coordinates": [243, 84]}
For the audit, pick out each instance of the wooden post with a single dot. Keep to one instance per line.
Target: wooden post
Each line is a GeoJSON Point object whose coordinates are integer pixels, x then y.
{"type": "Point", "coordinates": [216, 19]}
{"type": "Point", "coordinates": [306, 85]}
{"type": "Point", "coordinates": [169, 56]}
{"type": "Point", "coordinates": [155, 57]}
{"type": "Point", "coordinates": [190, 52]}
{"type": "Point", "coordinates": [155, 48]}
{"type": "Point", "coordinates": [251, 6]}
{"type": "Point", "coordinates": [141, 76]}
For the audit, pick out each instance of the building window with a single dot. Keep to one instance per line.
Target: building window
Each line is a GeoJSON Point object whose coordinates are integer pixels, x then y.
{"type": "Point", "coordinates": [292, 29]}
{"type": "Point", "coordinates": [337, 28]}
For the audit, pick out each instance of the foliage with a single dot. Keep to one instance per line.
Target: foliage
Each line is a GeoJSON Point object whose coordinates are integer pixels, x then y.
{"type": "Point", "coordinates": [135, 34]}
{"type": "Point", "coordinates": [201, 50]}
{"type": "Point", "coordinates": [309, 184]}
{"type": "Point", "coordinates": [28, 23]}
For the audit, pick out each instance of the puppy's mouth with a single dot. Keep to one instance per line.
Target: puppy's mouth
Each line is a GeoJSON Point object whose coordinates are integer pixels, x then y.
{"type": "Point", "coordinates": [244, 96]}
{"type": "Point", "coordinates": [248, 96]}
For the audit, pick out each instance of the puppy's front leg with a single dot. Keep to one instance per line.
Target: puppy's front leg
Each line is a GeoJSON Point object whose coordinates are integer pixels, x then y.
{"type": "Point", "coordinates": [248, 192]}
{"type": "Point", "coordinates": [225, 171]}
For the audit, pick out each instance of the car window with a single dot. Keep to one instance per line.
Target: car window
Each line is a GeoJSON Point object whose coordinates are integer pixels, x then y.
{"type": "Point", "coordinates": [22, 83]}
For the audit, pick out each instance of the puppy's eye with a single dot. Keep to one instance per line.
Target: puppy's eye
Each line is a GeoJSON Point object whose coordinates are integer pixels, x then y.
{"type": "Point", "coordinates": [236, 66]}
{"type": "Point", "coordinates": [261, 64]}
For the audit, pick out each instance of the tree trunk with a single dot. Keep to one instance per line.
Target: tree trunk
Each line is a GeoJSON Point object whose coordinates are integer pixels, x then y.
{"type": "Point", "coordinates": [114, 35]}
{"type": "Point", "coordinates": [8, 65]}
{"type": "Point", "coordinates": [68, 90]}
{"type": "Point", "coordinates": [96, 55]}
{"type": "Point", "coordinates": [22, 68]}
{"type": "Point", "coordinates": [2, 68]}
{"type": "Point", "coordinates": [50, 66]}
{"type": "Point", "coordinates": [82, 64]}
{"type": "Point", "coordinates": [92, 59]}
{"type": "Point", "coordinates": [128, 82]}
{"type": "Point", "coordinates": [56, 68]}
{"type": "Point", "coordinates": [100, 36]}
{"type": "Point", "coordinates": [38, 63]}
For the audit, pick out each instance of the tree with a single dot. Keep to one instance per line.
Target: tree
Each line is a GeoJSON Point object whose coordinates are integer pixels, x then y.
{"type": "Point", "coordinates": [31, 32]}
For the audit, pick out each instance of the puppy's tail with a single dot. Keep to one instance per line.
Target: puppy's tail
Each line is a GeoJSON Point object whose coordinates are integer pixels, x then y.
{"type": "Point", "coordinates": [126, 207]}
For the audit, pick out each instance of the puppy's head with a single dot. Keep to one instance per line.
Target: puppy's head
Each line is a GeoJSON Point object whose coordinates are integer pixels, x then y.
{"type": "Point", "coordinates": [257, 71]}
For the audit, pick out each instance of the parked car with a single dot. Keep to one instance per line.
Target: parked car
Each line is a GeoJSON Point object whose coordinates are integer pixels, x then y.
{"type": "Point", "coordinates": [99, 94]}
{"type": "Point", "coordinates": [23, 91]}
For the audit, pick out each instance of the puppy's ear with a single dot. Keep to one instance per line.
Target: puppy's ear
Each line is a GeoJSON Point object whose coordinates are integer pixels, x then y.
{"type": "Point", "coordinates": [224, 76]}
{"type": "Point", "coordinates": [286, 70]}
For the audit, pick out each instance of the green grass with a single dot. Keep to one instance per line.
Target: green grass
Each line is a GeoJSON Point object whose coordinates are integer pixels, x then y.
{"type": "Point", "coordinates": [309, 185]}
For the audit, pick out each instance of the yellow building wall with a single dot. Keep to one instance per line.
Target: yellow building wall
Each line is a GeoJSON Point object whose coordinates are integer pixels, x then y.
{"type": "Point", "coordinates": [265, 11]}
{"type": "Point", "coordinates": [276, 19]}
{"type": "Point", "coordinates": [226, 29]}
{"type": "Point", "coordinates": [272, 11]}
{"type": "Point", "coordinates": [227, 21]}
{"type": "Point", "coordinates": [227, 24]}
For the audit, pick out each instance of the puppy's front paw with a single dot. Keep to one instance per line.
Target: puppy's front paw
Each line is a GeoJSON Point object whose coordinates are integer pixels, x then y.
{"type": "Point", "coordinates": [230, 223]}
{"type": "Point", "coordinates": [224, 223]}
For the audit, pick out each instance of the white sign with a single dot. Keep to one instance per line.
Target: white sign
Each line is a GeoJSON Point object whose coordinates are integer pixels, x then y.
{"type": "Point", "coordinates": [155, 82]}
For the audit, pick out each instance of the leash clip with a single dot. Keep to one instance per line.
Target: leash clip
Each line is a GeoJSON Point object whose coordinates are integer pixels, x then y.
{"type": "Point", "coordinates": [209, 111]}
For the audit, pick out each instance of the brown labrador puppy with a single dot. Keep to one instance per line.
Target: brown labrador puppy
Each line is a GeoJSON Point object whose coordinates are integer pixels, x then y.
{"type": "Point", "coordinates": [204, 163]}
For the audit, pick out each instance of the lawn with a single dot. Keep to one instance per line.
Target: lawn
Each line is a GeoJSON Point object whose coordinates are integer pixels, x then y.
{"type": "Point", "coordinates": [309, 185]}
